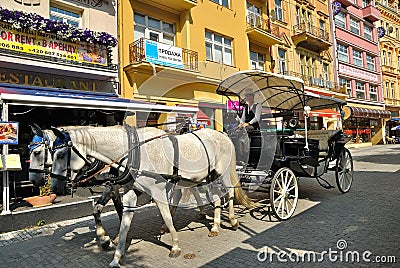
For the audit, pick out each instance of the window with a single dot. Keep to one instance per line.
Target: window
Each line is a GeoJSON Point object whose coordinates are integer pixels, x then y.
{"type": "Point", "coordinates": [254, 15]}
{"type": "Point", "coordinates": [153, 29]}
{"type": "Point", "coordinates": [278, 10]}
{"type": "Point", "coordinates": [342, 53]}
{"type": "Point", "coordinates": [367, 32]}
{"type": "Point", "coordinates": [354, 26]}
{"type": "Point", "coordinates": [224, 3]}
{"type": "Point", "coordinates": [360, 90]}
{"type": "Point", "coordinates": [373, 92]}
{"type": "Point", "coordinates": [370, 63]}
{"type": "Point", "coordinates": [340, 20]}
{"type": "Point", "coordinates": [392, 89]}
{"type": "Point", "coordinates": [383, 57]}
{"type": "Point", "coordinates": [326, 73]}
{"type": "Point", "coordinates": [387, 89]}
{"type": "Point", "coordinates": [282, 60]}
{"type": "Point", "coordinates": [366, 3]}
{"type": "Point", "coordinates": [218, 48]}
{"type": "Point", "coordinates": [322, 29]}
{"type": "Point", "coordinates": [390, 58]}
{"type": "Point", "coordinates": [346, 84]}
{"type": "Point", "coordinates": [59, 14]}
{"type": "Point", "coordinates": [257, 60]}
{"type": "Point", "coordinates": [357, 58]}
{"type": "Point", "coordinates": [398, 62]}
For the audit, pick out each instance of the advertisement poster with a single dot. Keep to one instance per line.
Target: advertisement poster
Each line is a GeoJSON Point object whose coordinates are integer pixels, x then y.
{"type": "Point", "coordinates": [9, 133]}
{"type": "Point", "coordinates": [163, 54]}
{"type": "Point", "coordinates": [32, 42]}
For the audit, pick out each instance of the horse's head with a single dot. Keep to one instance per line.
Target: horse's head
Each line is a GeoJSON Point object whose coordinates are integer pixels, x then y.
{"type": "Point", "coordinates": [67, 160]}
{"type": "Point", "coordinates": [39, 156]}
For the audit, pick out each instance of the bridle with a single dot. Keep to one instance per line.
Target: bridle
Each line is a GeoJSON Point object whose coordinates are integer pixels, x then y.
{"type": "Point", "coordinates": [39, 141]}
{"type": "Point", "coordinates": [66, 142]}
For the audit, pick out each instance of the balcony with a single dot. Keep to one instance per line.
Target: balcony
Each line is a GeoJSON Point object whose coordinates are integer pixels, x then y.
{"type": "Point", "coordinates": [311, 38]}
{"type": "Point", "coordinates": [371, 13]}
{"type": "Point", "coordinates": [345, 3]}
{"type": "Point", "coordinates": [188, 59]}
{"type": "Point", "coordinates": [262, 31]}
{"type": "Point", "coordinates": [179, 5]}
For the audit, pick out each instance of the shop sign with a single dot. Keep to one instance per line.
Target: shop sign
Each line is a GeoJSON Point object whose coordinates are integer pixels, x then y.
{"type": "Point", "coordinates": [48, 45]}
{"type": "Point", "coordinates": [234, 105]}
{"type": "Point", "coordinates": [48, 80]}
{"type": "Point", "coordinates": [9, 133]}
{"type": "Point", "coordinates": [348, 70]}
{"type": "Point", "coordinates": [347, 112]}
{"type": "Point", "coordinates": [163, 54]}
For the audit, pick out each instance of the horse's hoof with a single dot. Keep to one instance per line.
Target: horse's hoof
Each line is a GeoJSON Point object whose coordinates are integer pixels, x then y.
{"type": "Point", "coordinates": [114, 264]}
{"type": "Point", "coordinates": [175, 253]}
{"type": "Point", "coordinates": [163, 230]}
{"type": "Point", "coordinates": [202, 216]}
{"type": "Point", "coordinates": [212, 234]}
{"type": "Point", "coordinates": [105, 244]}
{"type": "Point", "coordinates": [235, 226]}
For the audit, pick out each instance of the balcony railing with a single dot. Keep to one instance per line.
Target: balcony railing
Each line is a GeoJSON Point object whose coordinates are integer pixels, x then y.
{"type": "Point", "coordinates": [137, 55]}
{"type": "Point", "coordinates": [256, 21]}
{"type": "Point", "coordinates": [317, 82]}
{"type": "Point", "coordinates": [312, 30]}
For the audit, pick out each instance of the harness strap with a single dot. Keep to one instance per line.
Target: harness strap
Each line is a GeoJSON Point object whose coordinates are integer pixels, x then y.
{"type": "Point", "coordinates": [208, 178]}
{"type": "Point", "coordinates": [175, 145]}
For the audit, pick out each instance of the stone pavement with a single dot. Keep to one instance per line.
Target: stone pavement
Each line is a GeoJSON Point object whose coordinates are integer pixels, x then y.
{"type": "Point", "coordinates": [365, 219]}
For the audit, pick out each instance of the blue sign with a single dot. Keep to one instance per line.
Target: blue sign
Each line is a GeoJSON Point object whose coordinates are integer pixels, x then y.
{"type": "Point", "coordinates": [336, 6]}
{"type": "Point", "coordinates": [163, 54]}
{"type": "Point", "coordinates": [381, 32]}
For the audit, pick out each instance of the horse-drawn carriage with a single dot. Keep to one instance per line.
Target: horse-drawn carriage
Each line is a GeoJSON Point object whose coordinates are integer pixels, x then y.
{"type": "Point", "coordinates": [279, 153]}
{"type": "Point", "coordinates": [153, 161]}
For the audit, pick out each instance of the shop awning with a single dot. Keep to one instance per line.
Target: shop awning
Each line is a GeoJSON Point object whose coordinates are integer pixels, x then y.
{"type": "Point", "coordinates": [202, 118]}
{"type": "Point", "coordinates": [65, 98]}
{"type": "Point", "coordinates": [368, 113]}
{"type": "Point", "coordinates": [395, 118]}
{"type": "Point", "coordinates": [325, 113]}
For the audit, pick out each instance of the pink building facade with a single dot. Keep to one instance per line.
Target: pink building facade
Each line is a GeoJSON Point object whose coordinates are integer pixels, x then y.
{"type": "Point", "coordinates": [358, 68]}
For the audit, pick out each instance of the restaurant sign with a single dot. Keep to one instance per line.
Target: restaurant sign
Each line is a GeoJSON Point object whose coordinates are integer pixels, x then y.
{"type": "Point", "coordinates": [48, 45]}
{"type": "Point", "coordinates": [348, 70]}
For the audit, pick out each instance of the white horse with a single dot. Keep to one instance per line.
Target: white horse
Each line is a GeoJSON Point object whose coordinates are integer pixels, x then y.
{"type": "Point", "coordinates": [39, 164]}
{"type": "Point", "coordinates": [40, 161]}
{"type": "Point", "coordinates": [199, 153]}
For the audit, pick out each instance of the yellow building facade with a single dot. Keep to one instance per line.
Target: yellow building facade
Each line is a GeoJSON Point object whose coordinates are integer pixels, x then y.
{"type": "Point", "coordinates": [205, 41]}
{"type": "Point", "coordinates": [390, 54]}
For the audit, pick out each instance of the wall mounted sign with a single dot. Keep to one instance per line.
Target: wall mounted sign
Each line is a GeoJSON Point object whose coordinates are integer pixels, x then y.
{"type": "Point", "coordinates": [381, 32]}
{"type": "Point", "coordinates": [17, 77]}
{"type": "Point", "coordinates": [8, 132]}
{"type": "Point", "coordinates": [336, 6]}
{"type": "Point", "coordinates": [32, 42]}
{"type": "Point", "coordinates": [234, 105]}
{"type": "Point", "coordinates": [163, 54]}
{"type": "Point", "coordinates": [355, 72]}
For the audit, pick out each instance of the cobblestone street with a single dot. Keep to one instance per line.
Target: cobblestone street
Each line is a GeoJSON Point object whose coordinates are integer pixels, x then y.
{"type": "Point", "coordinates": [365, 219]}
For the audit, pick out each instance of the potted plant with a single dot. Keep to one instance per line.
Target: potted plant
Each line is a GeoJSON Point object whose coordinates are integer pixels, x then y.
{"type": "Point", "coordinates": [45, 197]}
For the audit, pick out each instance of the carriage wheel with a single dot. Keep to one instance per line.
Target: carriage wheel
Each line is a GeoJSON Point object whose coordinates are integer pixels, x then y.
{"type": "Point", "coordinates": [283, 193]}
{"type": "Point", "coordinates": [344, 171]}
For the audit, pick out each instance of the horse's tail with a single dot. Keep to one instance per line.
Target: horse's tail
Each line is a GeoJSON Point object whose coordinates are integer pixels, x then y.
{"type": "Point", "coordinates": [239, 193]}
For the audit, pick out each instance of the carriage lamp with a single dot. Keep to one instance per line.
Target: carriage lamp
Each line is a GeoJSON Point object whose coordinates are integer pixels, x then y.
{"type": "Point", "coordinates": [307, 110]}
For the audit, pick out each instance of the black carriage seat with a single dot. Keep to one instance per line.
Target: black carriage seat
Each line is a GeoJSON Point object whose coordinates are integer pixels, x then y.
{"type": "Point", "coordinates": [323, 136]}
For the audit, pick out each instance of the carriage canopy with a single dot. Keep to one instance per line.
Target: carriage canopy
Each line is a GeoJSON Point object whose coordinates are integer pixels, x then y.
{"type": "Point", "coordinates": [276, 91]}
